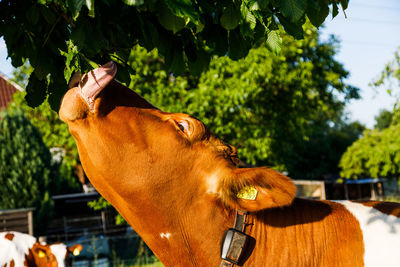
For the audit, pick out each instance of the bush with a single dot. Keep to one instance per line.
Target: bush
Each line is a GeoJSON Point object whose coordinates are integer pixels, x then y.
{"type": "Point", "coordinates": [26, 174]}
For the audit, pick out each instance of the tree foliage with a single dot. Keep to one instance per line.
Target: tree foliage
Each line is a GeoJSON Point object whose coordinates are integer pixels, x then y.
{"type": "Point", "coordinates": [27, 175]}
{"type": "Point", "coordinates": [374, 155]}
{"type": "Point", "coordinates": [383, 120]}
{"type": "Point", "coordinates": [54, 132]}
{"type": "Point", "coordinates": [389, 74]}
{"type": "Point", "coordinates": [320, 154]}
{"type": "Point", "coordinates": [377, 152]}
{"type": "Point", "coordinates": [60, 37]}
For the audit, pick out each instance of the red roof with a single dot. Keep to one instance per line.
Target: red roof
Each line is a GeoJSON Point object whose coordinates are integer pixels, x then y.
{"type": "Point", "coordinates": [7, 89]}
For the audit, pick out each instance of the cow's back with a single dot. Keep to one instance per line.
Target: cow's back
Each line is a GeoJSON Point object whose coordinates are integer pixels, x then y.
{"type": "Point", "coordinates": [380, 225]}
{"type": "Point", "coordinates": [324, 233]}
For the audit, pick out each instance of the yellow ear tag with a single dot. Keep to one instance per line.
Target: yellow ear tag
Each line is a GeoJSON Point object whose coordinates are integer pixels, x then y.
{"type": "Point", "coordinates": [41, 254]}
{"type": "Point", "coordinates": [76, 252]}
{"type": "Point", "coordinates": [248, 192]}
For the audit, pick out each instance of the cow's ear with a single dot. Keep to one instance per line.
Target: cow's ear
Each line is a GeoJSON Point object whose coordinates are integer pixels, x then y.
{"type": "Point", "coordinates": [254, 189]}
{"type": "Point", "coordinates": [40, 251]}
{"type": "Point", "coordinates": [75, 249]}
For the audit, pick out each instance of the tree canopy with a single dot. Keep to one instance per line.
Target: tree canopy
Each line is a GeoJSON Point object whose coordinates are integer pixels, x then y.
{"type": "Point", "coordinates": [27, 175]}
{"type": "Point", "coordinates": [61, 37]}
{"type": "Point", "coordinates": [383, 120]}
{"type": "Point", "coordinates": [377, 152]}
{"type": "Point", "coordinates": [54, 132]}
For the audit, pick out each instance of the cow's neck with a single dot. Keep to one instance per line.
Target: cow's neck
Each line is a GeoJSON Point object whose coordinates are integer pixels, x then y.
{"type": "Point", "coordinates": [184, 237]}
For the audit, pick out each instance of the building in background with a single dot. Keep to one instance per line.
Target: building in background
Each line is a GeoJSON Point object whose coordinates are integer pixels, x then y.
{"type": "Point", "coordinates": [7, 89]}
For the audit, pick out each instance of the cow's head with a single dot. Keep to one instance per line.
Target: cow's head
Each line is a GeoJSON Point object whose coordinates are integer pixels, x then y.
{"type": "Point", "coordinates": [55, 255]}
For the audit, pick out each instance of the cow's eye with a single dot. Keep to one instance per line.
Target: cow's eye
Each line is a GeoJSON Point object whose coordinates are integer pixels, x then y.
{"type": "Point", "coordinates": [183, 126]}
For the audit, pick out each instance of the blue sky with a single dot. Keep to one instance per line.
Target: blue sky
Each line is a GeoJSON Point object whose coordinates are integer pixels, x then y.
{"type": "Point", "coordinates": [369, 37]}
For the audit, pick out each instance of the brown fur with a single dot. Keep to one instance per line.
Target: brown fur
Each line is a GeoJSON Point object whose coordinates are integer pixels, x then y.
{"type": "Point", "coordinates": [184, 183]}
{"type": "Point", "coordinates": [307, 233]}
{"type": "Point", "coordinates": [389, 208]}
{"type": "Point", "coordinates": [9, 236]}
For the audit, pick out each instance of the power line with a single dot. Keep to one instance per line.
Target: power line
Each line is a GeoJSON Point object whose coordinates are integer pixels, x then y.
{"type": "Point", "coordinates": [394, 23]}
{"type": "Point", "coordinates": [377, 7]}
{"type": "Point", "coordinates": [362, 43]}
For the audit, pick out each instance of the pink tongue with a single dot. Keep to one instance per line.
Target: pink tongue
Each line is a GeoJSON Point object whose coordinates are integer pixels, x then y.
{"type": "Point", "coordinates": [92, 83]}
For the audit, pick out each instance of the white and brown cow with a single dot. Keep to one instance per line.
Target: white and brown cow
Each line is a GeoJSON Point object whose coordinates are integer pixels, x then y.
{"type": "Point", "coordinates": [178, 186]}
{"type": "Point", "coordinates": [19, 249]}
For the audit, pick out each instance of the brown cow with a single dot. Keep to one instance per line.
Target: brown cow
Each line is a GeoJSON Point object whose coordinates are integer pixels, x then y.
{"type": "Point", "coordinates": [19, 249]}
{"type": "Point", "coordinates": [178, 186]}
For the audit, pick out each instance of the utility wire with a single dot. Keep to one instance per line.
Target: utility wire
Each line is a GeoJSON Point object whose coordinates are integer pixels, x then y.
{"type": "Point", "coordinates": [393, 23]}
{"type": "Point", "coordinates": [362, 43]}
{"type": "Point", "coordinates": [376, 7]}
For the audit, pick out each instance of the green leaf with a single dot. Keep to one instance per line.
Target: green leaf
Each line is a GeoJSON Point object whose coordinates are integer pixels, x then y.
{"type": "Point", "coordinates": [202, 61]}
{"type": "Point", "coordinates": [344, 3]}
{"type": "Point", "coordinates": [190, 50]}
{"type": "Point", "coordinates": [57, 89]}
{"type": "Point", "coordinates": [90, 6]}
{"type": "Point", "coordinates": [43, 64]}
{"type": "Point", "coordinates": [296, 30]}
{"type": "Point", "coordinates": [169, 21]}
{"type": "Point", "coordinates": [149, 36]}
{"type": "Point", "coordinates": [48, 15]}
{"type": "Point", "coordinates": [78, 35]}
{"type": "Point", "coordinates": [248, 17]}
{"type": "Point", "coordinates": [335, 10]}
{"type": "Point", "coordinates": [292, 9]}
{"type": "Point", "coordinates": [72, 62]}
{"type": "Point", "coordinates": [33, 14]}
{"type": "Point", "coordinates": [183, 8]}
{"type": "Point", "coordinates": [123, 75]}
{"type": "Point", "coordinates": [35, 90]}
{"type": "Point", "coordinates": [75, 7]}
{"type": "Point", "coordinates": [274, 41]}
{"type": "Point", "coordinates": [230, 17]}
{"type": "Point", "coordinates": [178, 63]}
{"type": "Point", "coordinates": [199, 27]}
{"type": "Point", "coordinates": [133, 2]}
{"type": "Point", "coordinates": [263, 4]}
{"type": "Point", "coordinates": [253, 5]}
{"type": "Point", "coordinates": [217, 39]}
{"type": "Point", "coordinates": [317, 11]}
{"type": "Point", "coordinates": [238, 46]}
{"type": "Point", "coordinates": [87, 37]}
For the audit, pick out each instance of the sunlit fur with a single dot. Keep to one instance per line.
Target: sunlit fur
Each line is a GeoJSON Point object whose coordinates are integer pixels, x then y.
{"type": "Point", "coordinates": [184, 183]}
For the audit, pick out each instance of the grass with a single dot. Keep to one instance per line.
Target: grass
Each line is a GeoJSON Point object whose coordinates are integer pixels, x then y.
{"type": "Point", "coordinates": [392, 198]}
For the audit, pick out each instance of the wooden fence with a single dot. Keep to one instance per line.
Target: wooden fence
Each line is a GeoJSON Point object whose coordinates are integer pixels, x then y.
{"type": "Point", "coordinates": [19, 220]}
